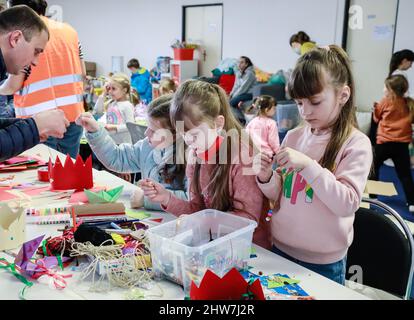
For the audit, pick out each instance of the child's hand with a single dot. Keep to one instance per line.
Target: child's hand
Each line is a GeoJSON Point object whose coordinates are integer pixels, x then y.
{"type": "Point", "coordinates": [111, 127]}
{"type": "Point", "coordinates": [137, 198]}
{"type": "Point", "coordinates": [265, 164]}
{"type": "Point", "coordinates": [288, 158]}
{"type": "Point", "coordinates": [87, 121]}
{"type": "Point", "coordinates": [155, 192]}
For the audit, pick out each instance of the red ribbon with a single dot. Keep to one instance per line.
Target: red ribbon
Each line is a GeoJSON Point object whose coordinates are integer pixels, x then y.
{"type": "Point", "coordinates": [58, 279]}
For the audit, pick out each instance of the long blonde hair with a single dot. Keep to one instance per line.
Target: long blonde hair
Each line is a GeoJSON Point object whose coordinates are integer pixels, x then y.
{"type": "Point", "coordinates": [309, 79]}
{"type": "Point", "coordinates": [201, 102]}
{"type": "Point", "coordinates": [123, 81]}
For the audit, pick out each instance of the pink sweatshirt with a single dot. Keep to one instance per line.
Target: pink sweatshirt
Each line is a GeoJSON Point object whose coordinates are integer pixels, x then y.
{"type": "Point", "coordinates": [317, 208]}
{"type": "Point", "coordinates": [264, 133]}
{"type": "Point", "coordinates": [247, 199]}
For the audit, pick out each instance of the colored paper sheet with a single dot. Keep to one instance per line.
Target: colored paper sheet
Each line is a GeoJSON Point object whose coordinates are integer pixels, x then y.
{"type": "Point", "coordinates": [27, 251]}
{"type": "Point", "coordinates": [7, 217]}
{"type": "Point", "coordinates": [140, 215]}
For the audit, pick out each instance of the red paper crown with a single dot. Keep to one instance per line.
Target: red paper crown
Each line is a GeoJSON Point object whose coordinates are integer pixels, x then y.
{"type": "Point", "coordinates": [231, 287]}
{"type": "Point", "coordinates": [71, 176]}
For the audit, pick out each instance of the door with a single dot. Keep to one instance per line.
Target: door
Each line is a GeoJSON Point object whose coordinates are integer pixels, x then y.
{"type": "Point", "coordinates": [370, 42]}
{"type": "Point", "coordinates": [203, 25]}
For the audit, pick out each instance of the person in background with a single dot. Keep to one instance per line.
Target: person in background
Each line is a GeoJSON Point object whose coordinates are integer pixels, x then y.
{"type": "Point", "coordinates": [118, 110]}
{"type": "Point", "coordinates": [57, 80]}
{"type": "Point", "coordinates": [140, 80]}
{"type": "Point", "coordinates": [167, 86]}
{"type": "Point", "coordinates": [243, 87]}
{"type": "Point", "coordinates": [395, 115]}
{"type": "Point", "coordinates": [23, 37]}
{"type": "Point", "coordinates": [401, 62]}
{"type": "Point", "coordinates": [263, 128]}
{"type": "Point", "coordinates": [301, 43]}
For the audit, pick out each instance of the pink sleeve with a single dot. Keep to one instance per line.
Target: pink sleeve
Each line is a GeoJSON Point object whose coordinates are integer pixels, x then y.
{"type": "Point", "coordinates": [342, 192]}
{"type": "Point", "coordinates": [178, 206]}
{"type": "Point", "coordinates": [273, 137]}
{"type": "Point", "coordinates": [247, 197]}
{"type": "Point", "coordinates": [273, 188]}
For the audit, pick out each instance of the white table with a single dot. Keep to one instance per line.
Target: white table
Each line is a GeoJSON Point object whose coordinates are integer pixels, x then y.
{"type": "Point", "coordinates": [267, 262]}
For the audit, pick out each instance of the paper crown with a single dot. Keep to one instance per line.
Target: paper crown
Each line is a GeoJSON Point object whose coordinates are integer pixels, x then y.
{"type": "Point", "coordinates": [71, 176]}
{"type": "Point", "coordinates": [12, 227]}
{"type": "Point", "coordinates": [231, 287]}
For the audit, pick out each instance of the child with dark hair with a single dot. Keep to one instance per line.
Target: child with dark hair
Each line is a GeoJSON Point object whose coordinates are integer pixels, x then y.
{"type": "Point", "coordinates": [243, 87]}
{"type": "Point", "coordinates": [263, 128]}
{"type": "Point", "coordinates": [402, 61]}
{"type": "Point", "coordinates": [140, 80]}
{"type": "Point", "coordinates": [301, 43]}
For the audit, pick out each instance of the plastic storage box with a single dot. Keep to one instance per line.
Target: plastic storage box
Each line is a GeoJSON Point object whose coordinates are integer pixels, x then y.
{"type": "Point", "coordinates": [287, 117]}
{"type": "Point", "coordinates": [182, 250]}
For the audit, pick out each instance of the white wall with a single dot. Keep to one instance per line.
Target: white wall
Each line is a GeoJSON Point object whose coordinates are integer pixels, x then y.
{"type": "Point", "coordinates": [145, 28]}
{"type": "Point", "coordinates": [404, 37]}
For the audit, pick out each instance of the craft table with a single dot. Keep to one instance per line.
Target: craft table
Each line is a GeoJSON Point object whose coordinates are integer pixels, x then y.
{"type": "Point", "coordinates": [267, 262]}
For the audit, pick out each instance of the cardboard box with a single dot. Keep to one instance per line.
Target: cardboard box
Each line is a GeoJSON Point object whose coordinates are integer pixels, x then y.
{"type": "Point", "coordinates": [378, 188]}
{"type": "Point", "coordinates": [90, 68]}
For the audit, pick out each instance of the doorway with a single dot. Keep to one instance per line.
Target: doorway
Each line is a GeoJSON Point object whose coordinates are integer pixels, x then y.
{"type": "Point", "coordinates": [203, 25]}
{"type": "Point", "coordinates": [370, 44]}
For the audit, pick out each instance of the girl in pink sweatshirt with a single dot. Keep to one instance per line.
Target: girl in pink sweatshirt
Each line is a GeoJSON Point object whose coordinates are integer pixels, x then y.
{"type": "Point", "coordinates": [263, 128]}
{"type": "Point", "coordinates": [323, 167]}
{"type": "Point", "coordinates": [219, 171]}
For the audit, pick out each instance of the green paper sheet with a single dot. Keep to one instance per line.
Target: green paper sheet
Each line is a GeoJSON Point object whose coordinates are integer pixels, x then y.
{"type": "Point", "coordinates": [141, 215]}
{"type": "Point", "coordinates": [280, 282]}
{"type": "Point", "coordinates": [109, 196]}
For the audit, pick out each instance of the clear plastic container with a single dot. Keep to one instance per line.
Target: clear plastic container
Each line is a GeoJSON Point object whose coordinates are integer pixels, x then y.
{"type": "Point", "coordinates": [287, 117]}
{"type": "Point", "coordinates": [182, 250]}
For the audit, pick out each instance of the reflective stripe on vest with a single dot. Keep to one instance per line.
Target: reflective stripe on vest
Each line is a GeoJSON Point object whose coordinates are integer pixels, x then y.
{"type": "Point", "coordinates": [49, 83]}
{"type": "Point", "coordinates": [53, 104]}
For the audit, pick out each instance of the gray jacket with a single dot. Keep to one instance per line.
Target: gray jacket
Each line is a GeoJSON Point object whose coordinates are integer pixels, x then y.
{"type": "Point", "coordinates": [140, 157]}
{"type": "Point", "coordinates": [244, 83]}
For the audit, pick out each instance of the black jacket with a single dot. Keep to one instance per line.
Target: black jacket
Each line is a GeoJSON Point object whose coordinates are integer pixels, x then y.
{"type": "Point", "coordinates": [16, 136]}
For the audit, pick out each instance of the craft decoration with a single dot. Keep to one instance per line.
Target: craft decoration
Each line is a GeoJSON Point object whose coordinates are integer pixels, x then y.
{"type": "Point", "coordinates": [17, 272]}
{"type": "Point", "coordinates": [103, 196]}
{"type": "Point", "coordinates": [27, 251]}
{"type": "Point", "coordinates": [36, 269]}
{"type": "Point", "coordinates": [20, 163]}
{"type": "Point", "coordinates": [231, 287]}
{"type": "Point", "coordinates": [12, 226]}
{"type": "Point", "coordinates": [71, 176]}
{"type": "Point", "coordinates": [43, 174]}
{"type": "Point", "coordinates": [79, 197]}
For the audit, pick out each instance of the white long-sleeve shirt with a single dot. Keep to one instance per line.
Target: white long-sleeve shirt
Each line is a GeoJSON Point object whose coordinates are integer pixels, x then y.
{"type": "Point", "coordinates": [118, 113]}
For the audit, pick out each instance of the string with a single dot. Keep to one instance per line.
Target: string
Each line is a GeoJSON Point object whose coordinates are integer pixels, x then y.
{"type": "Point", "coordinates": [125, 271]}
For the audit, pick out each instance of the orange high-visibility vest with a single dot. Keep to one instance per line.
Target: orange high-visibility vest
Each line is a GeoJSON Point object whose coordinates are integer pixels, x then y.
{"type": "Point", "coordinates": [56, 82]}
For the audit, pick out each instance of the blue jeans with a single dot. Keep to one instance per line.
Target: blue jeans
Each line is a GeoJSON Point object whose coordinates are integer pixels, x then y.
{"type": "Point", "coordinates": [70, 142]}
{"type": "Point", "coordinates": [6, 108]}
{"type": "Point", "coordinates": [234, 102]}
{"type": "Point", "coordinates": [334, 271]}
